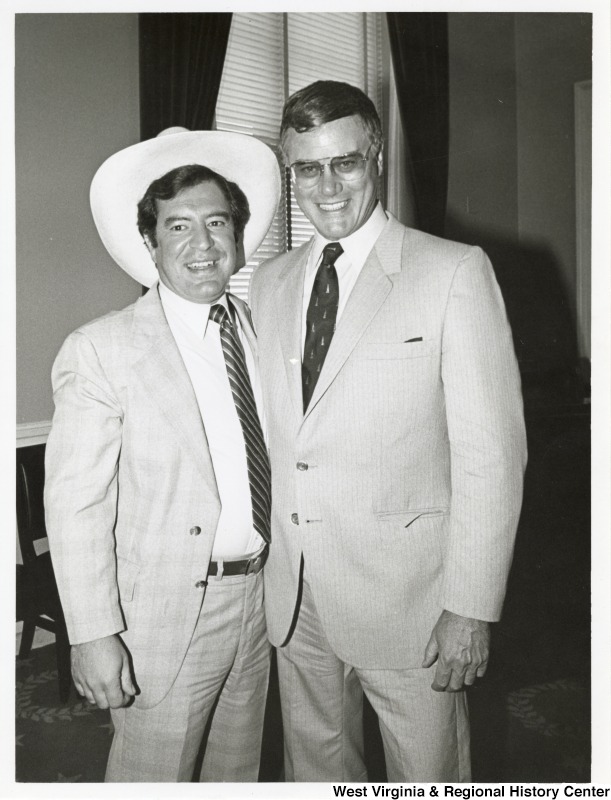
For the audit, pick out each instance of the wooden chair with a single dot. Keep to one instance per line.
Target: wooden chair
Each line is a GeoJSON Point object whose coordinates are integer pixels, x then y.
{"type": "Point", "coordinates": [38, 598]}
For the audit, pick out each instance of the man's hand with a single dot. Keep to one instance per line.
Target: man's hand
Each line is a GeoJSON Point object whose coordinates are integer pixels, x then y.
{"type": "Point", "coordinates": [101, 672]}
{"type": "Point", "coordinates": [461, 646]}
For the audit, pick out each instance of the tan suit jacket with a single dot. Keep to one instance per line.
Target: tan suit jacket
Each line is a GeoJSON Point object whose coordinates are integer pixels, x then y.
{"type": "Point", "coordinates": [131, 499]}
{"type": "Point", "coordinates": [402, 484]}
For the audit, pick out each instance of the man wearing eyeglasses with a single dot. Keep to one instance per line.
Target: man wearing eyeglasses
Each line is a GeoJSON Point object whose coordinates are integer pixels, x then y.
{"type": "Point", "coordinates": [397, 446]}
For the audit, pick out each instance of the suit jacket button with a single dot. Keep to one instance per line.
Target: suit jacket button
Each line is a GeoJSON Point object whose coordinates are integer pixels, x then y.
{"type": "Point", "coordinates": [195, 530]}
{"type": "Point", "coordinates": [295, 519]}
{"type": "Point", "coordinates": [302, 466]}
{"type": "Point", "coordinates": [200, 584]}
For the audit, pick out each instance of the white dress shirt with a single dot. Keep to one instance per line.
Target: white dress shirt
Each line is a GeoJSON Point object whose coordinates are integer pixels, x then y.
{"type": "Point", "coordinates": [199, 342]}
{"type": "Point", "coordinates": [348, 266]}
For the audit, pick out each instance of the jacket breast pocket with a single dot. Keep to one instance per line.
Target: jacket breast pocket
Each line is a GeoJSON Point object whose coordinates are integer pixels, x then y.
{"type": "Point", "coordinates": [396, 350]}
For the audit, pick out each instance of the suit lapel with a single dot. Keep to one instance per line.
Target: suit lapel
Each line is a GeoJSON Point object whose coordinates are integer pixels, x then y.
{"type": "Point", "coordinates": [245, 318]}
{"type": "Point", "coordinates": [370, 291]}
{"type": "Point", "coordinates": [288, 308]}
{"type": "Point", "coordinates": [163, 375]}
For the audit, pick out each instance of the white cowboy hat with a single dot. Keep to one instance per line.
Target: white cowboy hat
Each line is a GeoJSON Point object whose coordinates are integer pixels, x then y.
{"type": "Point", "coordinates": [121, 181]}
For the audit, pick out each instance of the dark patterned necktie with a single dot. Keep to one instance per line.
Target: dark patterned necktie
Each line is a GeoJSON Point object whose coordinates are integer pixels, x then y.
{"type": "Point", "coordinates": [259, 474]}
{"type": "Point", "coordinates": [320, 320]}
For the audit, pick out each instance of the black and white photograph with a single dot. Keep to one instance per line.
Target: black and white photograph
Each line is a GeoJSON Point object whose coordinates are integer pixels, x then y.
{"type": "Point", "coordinates": [307, 325]}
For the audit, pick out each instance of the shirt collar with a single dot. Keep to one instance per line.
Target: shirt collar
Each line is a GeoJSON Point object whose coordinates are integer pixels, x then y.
{"type": "Point", "coordinates": [194, 315]}
{"type": "Point", "coordinates": [359, 244]}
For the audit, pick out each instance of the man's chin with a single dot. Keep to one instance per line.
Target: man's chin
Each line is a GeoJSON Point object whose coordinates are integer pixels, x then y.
{"type": "Point", "coordinates": [210, 296]}
{"type": "Point", "coordinates": [333, 229]}
{"type": "Point", "coordinates": [204, 293]}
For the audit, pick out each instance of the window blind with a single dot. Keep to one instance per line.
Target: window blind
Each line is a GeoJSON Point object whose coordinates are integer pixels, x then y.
{"type": "Point", "coordinates": [270, 56]}
{"type": "Point", "coordinates": [250, 100]}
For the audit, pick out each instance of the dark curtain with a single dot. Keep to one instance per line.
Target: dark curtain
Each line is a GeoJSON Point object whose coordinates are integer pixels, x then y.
{"type": "Point", "coordinates": [419, 48]}
{"type": "Point", "coordinates": [181, 63]}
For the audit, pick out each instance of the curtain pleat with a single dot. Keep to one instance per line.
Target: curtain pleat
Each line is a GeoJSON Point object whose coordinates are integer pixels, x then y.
{"type": "Point", "coordinates": [419, 50]}
{"type": "Point", "coordinates": [181, 64]}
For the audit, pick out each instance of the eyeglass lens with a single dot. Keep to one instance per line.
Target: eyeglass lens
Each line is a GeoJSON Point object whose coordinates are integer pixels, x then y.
{"type": "Point", "coordinates": [350, 167]}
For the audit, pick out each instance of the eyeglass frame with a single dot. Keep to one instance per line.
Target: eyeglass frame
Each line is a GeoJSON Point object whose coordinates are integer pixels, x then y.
{"type": "Point", "coordinates": [327, 162]}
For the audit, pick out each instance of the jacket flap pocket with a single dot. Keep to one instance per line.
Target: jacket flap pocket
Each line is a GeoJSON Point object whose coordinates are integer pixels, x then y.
{"type": "Point", "coordinates": [405, 518]}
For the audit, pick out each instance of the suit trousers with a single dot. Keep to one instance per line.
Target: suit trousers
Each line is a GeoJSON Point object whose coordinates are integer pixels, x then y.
{"type": "Point", "coordinates": [425, 733]}
{"type": "Point", "coordinates": [224, 676]}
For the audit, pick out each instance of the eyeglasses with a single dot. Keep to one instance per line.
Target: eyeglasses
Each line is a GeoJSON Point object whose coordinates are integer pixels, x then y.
{"type": "Point", "coordinates": [349, 167]}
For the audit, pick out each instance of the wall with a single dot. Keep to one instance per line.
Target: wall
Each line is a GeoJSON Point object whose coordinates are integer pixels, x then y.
{"type": "Point", "coordinates": [482, 179]}
{"type": "Point", "coordinates": [76, 103]}
{"type": "Point", "coordinates": [553, 52]}
{"type": "Point", "coordinates": [511, 182]}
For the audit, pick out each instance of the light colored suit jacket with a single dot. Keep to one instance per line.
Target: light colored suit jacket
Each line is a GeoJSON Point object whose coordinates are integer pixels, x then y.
{"type": "Point", "coordinates": [131, 499]}
{"type": "Point", "coordinates": [402, 484]}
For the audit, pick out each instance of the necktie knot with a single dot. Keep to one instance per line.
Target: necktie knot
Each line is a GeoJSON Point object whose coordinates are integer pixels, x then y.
{"type": "Point", "coordinates": [331, 253]}
{"type": "Point", "coordinates": [218, 314]}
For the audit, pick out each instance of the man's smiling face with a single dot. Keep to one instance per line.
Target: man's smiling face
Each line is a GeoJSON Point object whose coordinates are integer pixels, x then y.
{"type": "Point", "coordinates": [334, 206]}
{"type": "Point", "coordinates": [196, 247]}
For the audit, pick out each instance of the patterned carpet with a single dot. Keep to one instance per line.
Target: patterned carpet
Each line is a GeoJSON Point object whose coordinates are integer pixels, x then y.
{"type": "Point", "coordinates": [536, 733]}
{"type": "Point", "coordinates": [540, 733]}
{"type": "Point", "coordinates": [56, 742]}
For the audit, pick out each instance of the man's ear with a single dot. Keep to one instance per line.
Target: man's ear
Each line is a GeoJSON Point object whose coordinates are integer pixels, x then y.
{"type": "Point", "coordinates": [380, 160]}
{"type": "Point", "coordinates": [151, 248]}
{"type": "Point", "coordinates": [240, 257]}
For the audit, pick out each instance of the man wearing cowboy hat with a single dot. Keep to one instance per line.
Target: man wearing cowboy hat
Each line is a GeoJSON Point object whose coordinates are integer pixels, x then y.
{"type": "Point", "coordinates": [157, 492]}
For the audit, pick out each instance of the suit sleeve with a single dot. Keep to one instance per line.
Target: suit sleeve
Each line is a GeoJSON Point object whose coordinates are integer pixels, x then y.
{"type": "Point", "coordinates": [487, 441]}
{"type": "Point", "coordinates": [81, 491]}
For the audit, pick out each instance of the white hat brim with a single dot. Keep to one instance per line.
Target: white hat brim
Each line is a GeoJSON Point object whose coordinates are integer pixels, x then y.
{"type": "Point", "coordinates": [121, 181]}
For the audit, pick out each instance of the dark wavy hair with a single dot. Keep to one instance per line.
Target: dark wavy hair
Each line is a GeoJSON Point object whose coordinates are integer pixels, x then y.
{"type": "Point", "coordinates": [326, 101]}
{"type": "Point", "coordinates": [169, 185]}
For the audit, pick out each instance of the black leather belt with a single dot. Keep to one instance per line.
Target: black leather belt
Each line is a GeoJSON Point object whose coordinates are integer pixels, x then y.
{"type": "Point", "coordinates": [248, 566]}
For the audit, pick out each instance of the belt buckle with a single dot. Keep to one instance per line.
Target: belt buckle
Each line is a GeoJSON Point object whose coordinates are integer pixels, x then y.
{"type": "Point", "coordinates": [255, 564]}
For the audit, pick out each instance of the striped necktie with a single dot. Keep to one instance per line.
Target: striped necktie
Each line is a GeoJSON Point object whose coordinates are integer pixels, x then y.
{"type": "Point", "coordinates": [320, 320]}
{"type": "Point", "coordinates": [259, 474]}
